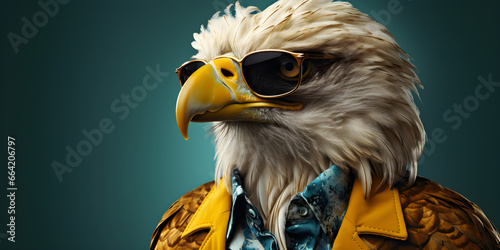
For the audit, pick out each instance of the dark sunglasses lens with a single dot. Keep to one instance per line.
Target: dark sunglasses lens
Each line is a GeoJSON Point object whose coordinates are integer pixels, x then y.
{"type": "Point", "coordinates": [271, 73]}
{"type": "Point", "coordinates": [188, 69]}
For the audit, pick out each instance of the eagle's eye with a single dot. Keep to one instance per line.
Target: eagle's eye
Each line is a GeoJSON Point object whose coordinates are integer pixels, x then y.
{"type": "Point", "coordinates": [290, 68]}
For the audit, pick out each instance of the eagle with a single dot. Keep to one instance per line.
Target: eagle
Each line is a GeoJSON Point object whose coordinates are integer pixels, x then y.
{"type": "Point", "coordinates": [311, 104]}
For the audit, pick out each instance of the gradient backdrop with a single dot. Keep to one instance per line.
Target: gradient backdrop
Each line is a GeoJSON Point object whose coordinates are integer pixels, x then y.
{"type": "Point", "coordinates": [83, 58]}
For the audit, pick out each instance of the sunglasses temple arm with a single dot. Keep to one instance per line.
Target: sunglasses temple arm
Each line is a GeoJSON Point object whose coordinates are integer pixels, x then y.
{"type": "Point", "coordinates": [313, 56]}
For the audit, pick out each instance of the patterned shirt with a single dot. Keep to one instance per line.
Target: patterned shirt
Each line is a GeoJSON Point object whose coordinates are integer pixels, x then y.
{"type": "Point", "coordinates": [312, 222]}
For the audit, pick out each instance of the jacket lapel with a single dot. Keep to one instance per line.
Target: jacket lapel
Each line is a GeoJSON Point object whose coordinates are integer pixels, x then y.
{"type": "Point", "coordinates": [381, 214]}
{"type": "Point", "coordinates": [213, 214]}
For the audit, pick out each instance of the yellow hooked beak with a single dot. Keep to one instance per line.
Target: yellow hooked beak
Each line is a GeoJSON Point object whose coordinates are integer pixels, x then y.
{"type": "Point", "coordinates": [217, 92]}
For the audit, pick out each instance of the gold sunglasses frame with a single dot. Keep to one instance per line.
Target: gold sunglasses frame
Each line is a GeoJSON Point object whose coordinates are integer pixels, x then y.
{"type": "Point", "coordinates": [299, 57]}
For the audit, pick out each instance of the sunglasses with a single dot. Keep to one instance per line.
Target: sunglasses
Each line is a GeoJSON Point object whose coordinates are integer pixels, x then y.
{"type": "Point", "coordinates": [268, 73]}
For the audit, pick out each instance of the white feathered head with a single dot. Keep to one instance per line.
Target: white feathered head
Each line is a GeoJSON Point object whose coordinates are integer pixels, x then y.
{"type": "Point", "coordinates": [357, 111]}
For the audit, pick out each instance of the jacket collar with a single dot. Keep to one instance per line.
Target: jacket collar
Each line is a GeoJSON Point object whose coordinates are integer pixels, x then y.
{"type": "Point", "coordinates": [213, 214]}
{"type": "Point", "coordinates": [380, 214]}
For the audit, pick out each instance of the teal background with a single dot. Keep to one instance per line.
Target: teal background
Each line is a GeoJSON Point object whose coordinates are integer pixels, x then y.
{"type": "Point", "coordinates": [91, 52]}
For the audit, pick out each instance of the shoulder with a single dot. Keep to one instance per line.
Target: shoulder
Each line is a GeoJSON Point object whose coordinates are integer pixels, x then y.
{"type": "Point", "coordinates": [167, 234]}
{"type": "Point", "coordinates": [438, 217]}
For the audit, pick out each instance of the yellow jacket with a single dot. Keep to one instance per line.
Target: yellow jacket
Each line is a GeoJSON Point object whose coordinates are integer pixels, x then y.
{"type": "Point", "coordinates": [433, 217]}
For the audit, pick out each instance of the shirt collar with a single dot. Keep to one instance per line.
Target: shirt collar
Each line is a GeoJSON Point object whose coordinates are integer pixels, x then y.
{"type": "Point", "coordinates": [327, 197]}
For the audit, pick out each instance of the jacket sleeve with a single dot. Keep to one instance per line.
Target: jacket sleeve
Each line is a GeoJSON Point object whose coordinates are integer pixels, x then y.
{"type": "Point", "coordinates": [437, 218]}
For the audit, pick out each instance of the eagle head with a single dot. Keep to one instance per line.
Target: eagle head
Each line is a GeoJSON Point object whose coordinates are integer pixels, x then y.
{"type": "Point", "coordinates": [350, 102]}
